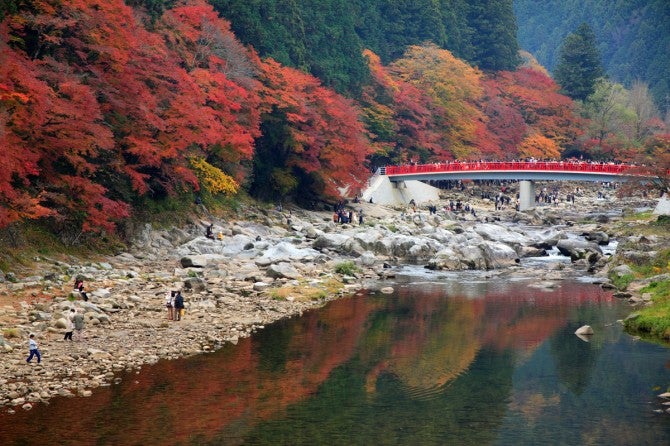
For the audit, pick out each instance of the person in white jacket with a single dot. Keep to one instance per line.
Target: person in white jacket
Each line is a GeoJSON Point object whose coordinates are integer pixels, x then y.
{"type": "Point", "coordinates": [69, 326]}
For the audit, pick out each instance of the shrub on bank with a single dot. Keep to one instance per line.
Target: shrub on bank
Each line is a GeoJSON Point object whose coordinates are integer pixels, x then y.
{"type": "Point", "coordinates": [654, 320]}
{"type": "Point", "coordinates": [346, 268]}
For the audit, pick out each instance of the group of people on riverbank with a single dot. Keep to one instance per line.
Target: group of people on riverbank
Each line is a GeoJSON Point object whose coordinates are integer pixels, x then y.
{"type": "Point", "coordinates": [341, 215]}
{"type": "Point", "coordinates": [174, 302]}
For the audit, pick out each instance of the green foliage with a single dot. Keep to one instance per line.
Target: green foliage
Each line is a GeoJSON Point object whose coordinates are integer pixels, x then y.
{"type": "Point", "coordinates": [8, 7]}
{"type": "Point", "coordinates": [346, 268]}
{"type": "Point", "coordinates": [494, 35]}
{"type": "Point", "coordinates": [326, 37]}
{"type": "Point", "coordinates": [621, 282]}
{"type": "Point", "coordinates": [632, 35]}
{"type": "Point", "coordinates": [655, 320]}
{"type": "Point", "coordinates": [579, 65]}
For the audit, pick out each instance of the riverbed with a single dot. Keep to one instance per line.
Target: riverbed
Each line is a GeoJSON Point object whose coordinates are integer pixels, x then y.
{"type": "Point", "coordinates": [447, 358]}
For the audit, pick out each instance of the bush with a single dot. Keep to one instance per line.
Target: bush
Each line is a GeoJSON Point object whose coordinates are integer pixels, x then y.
{"type": "Point", "coordinates": [346, 268]}
{"type": "Point", "coordinates": [9, 333]}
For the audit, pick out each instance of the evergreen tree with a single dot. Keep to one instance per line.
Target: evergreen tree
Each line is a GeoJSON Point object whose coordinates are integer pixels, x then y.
{"type": "Point", "coordinates": [579, 65]}
{"type": "Point", "coordinates": [633, 37]}
{"type": "Point", "coordinates": [494, 39]}
{"type": "Point", "coordinates": [274, 28]}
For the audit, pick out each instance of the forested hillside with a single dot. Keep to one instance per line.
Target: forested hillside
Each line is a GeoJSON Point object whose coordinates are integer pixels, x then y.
{"type": "Point", "coordinates": [633, 37]}
{"type": "Point", "coordinates": [107, 108]}
{"type": "Point", "coordinates": [326, 37]}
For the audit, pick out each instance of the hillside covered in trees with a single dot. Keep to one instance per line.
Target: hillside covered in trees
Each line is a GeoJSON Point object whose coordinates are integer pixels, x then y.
{"type": "Point", "coordinates": [108, 106]}
{"type": "Point", "coordinates": [633, 37]}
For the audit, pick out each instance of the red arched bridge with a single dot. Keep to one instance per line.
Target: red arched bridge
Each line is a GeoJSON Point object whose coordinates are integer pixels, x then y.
{"type": "Point", "coordinates": [523, 171]}
{"type": "Point", "coordinates": [512, 170]}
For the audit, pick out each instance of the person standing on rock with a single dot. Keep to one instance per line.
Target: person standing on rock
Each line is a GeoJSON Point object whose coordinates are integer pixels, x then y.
{"type": "Point", "coordinates": [69, 326]}
{"type": "Point", "coordinates": [78, 320]}
{"type": "Point", "coordinates": [178, 306]}
{"type": "Point", "coordinates": [34, 351]}
{"type": "Point", "coordinates": [169, 304]}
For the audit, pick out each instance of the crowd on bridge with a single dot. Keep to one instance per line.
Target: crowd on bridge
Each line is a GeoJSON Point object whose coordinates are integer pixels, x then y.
{"type": "Point", "coordinates": [571, 164]}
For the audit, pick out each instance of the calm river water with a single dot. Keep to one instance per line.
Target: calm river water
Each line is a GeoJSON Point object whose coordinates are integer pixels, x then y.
{"type": "Point", "coordinates": [454, 362]}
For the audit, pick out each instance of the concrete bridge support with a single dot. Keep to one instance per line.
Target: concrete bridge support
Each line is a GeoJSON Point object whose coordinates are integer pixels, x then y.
{"type": "Point", "coordinates": [526, 195]}
{"type": "Point", "coordinates": [384, 191]}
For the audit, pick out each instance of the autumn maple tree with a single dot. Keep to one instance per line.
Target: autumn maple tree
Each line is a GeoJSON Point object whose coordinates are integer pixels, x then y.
{"type": "Point", "coordinates": [454, 88]}
{"type": "Point", "coordinates": [323, 146]}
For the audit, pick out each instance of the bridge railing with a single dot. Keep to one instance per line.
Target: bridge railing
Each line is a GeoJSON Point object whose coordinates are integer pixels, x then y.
{"type": "Point", "coordinates": [561, 166]}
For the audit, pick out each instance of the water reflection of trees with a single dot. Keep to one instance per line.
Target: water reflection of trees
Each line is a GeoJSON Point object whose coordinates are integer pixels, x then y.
{"type": "Point", "coordinates": [350, 360]}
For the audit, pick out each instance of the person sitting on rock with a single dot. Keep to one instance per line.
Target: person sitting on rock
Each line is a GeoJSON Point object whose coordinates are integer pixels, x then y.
{"type": "Point", "coordinates": [209, 233]}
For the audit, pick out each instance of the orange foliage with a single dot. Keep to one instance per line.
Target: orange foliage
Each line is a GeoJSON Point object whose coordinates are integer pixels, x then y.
{"type": "Point", "coordinates": [539, 147]}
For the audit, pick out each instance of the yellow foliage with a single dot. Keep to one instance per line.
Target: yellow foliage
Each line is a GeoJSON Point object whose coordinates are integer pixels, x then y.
{"type": "Point", "coordinates": [213, 179]}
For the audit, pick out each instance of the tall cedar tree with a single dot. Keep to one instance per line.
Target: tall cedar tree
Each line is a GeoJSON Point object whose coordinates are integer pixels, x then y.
{"type": "Point", "coordinates": [579, 65]}
{"type": "Point", "coordinates": [494, 34]}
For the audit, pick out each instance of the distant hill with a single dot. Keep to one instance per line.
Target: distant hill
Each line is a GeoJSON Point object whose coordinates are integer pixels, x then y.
{"type": "Point", "coordinates": [633, 36]}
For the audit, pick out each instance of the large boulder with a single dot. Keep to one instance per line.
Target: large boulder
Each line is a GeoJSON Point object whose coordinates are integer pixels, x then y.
{"type": "Point", "coordinates": [331, 240]}
{"type": "Point", "coordinates": [286, 252]}
{"type": "Point", "coordinates": [578, 249]}
{"type": "Point", "coordinates": [202, 260]}
{"type": "Point", "coordinates": [195, 284]}
{"type": "Point", "coordinates": [499, 233]}
{"type": "Point", "coordinates": [484, 256]}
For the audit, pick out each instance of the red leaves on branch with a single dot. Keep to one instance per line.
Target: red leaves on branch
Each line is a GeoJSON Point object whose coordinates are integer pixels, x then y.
{"type": "Point", "coordinates": [326, 137]}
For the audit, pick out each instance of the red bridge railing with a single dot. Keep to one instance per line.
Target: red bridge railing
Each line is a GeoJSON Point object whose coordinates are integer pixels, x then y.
{"type": "Point", "coordinates": [543, 166]}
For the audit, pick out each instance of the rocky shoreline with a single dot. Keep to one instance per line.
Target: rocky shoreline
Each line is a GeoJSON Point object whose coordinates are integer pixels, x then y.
{"type": "Point", "coordinates": [268, 266]}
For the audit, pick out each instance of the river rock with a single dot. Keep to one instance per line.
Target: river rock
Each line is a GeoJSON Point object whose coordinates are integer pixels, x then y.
{"type": "Point", "coordinates": [599, 237]}
{"type": "Point", "coordinates": [578, 249]}
{"type": "Point", "coordinates": [286, 252]}
{"type": "Point", "coordinates": [584, 330]}
{"type": "Point", "coordinates": [499, 233]}
{"type": "Point", "coordinates": [283, 270]}
{"type": "Point", "coordinates": [195, 284]}
{"type": "Point", "coordinates": [622, 270]}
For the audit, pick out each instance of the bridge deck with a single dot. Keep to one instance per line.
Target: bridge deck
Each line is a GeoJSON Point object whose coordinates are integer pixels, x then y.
{"type": "Point", "coordinates": [522, 170]}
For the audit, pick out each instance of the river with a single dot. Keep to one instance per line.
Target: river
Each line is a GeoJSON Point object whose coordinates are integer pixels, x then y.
{"type": "Point", "coordinates": [446, 359]}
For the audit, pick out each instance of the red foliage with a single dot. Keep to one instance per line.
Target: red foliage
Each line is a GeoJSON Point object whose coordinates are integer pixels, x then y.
{"type": "Point", "coordinates": [409, 117]}
{"type": "Point", "coordinates": [123, 100]}
{"type": "Point", "coordinates": [526, 102]}
{"type": "Point", "coordinates": [327, 139]}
